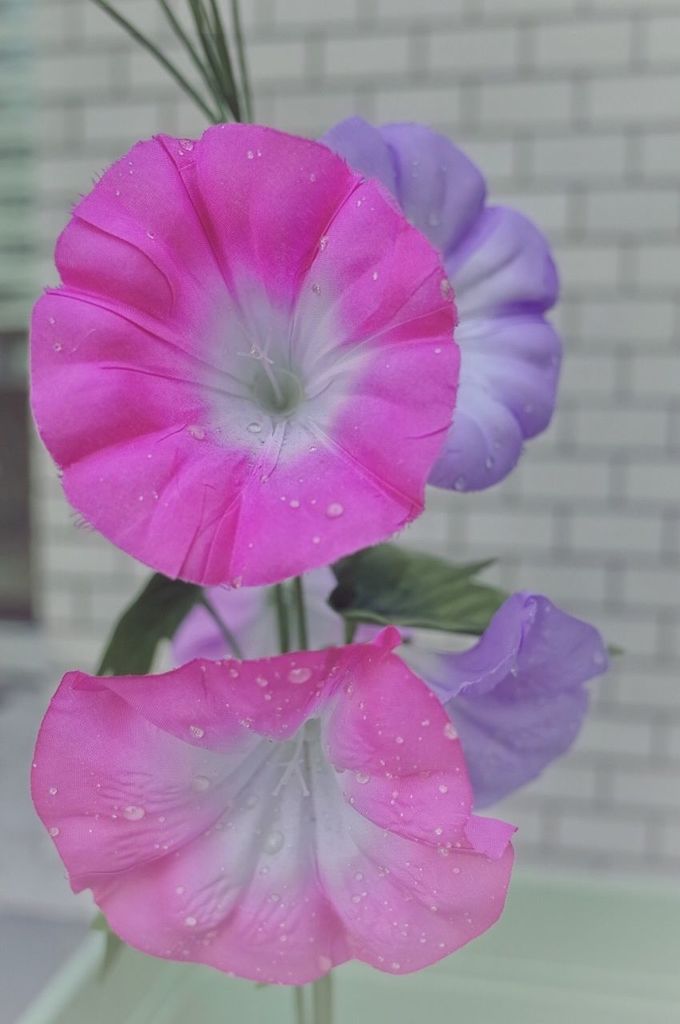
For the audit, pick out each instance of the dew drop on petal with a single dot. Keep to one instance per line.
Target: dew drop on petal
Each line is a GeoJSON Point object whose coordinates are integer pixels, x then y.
{"type": "Point", "coordinates": [299, 675]}
{"type": "Point", "coordinates": [323, 242]}
{"type": "Point", "coordinates": [186, 144]}
{"type": "Point", "coordinates": [133, 813]}
{"type": "Point", "coordinates": [261, 681]}
{"type": "Point", "coordinates": [190, 922]}
{"type": "Point", "coordinates": [53, 790]}
{"type": "Point", "coordinates": [443, 788]}
{"type": "Point", "coordinates": [450, 732]}
{"type": "Point", "coordinates": [274, 842]}
{"type": "Point", "coordinates": [255, 427]}
{"type": "Point", "coordinates": [54, 831]}
{"type": "Point", "coordinates": [195, 431]}
{"type": "Point", "coordinates": [200, 783]}
{"type": "Point", "coordinates": [294, 503]}
{"type": "Point", "coordinates": [398, 739]}
{"type": "Point", "coordinates": [196, 731]}
{"type": "Point", "coordinates": [459, 483]}
{"type": "Point", "coordinates": [250, 154]}
{"type": "Point", "coordinates": [316, 540]}
{"type": "Point", "coordinates": [334, 510]}
{"type": "Point", "coordinates": [362, 778]}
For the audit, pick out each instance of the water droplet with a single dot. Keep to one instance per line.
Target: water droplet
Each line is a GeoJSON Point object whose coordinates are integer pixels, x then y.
{"type": "Point", "coordinates": [334, 510]}
{"type": "Point", "coordinates": [54, 831]}
{"type": "Point", "coordinates": [450, 732]}
{"type": "Point", "coordinates": [488, 462]}
{"type": "Point", "coordinates": [396, 966]}
{"type": "Point", "coordinates": [374, 275]}
{"type": "Point", "coordinates": [299, 675]}
{"type": "Point", "coordinates": [261, 681]}
{"type": "Point", "coordinates": [443, 788]}
{"type": "Point", "coordinates": [274, 842]}
{"type": "Point", "coordinates": [362, 778]}
{"type": "Point", "coordinates": [200, 783]}
{"type": "Point", "coordinates": [274, 897]}
{"type": "Point", "coordinates": [196, 731]}
{"type": "Point", "coordinates": [316, 288]}
{"type": "Point", "coordinates": [250, 154]}
{"type": "Point", "coordinates": [312, 176]}
{"type": "Point", "coordinates": [459, 483]}
{"type": "Point", "coordinates": [133, 813]}
{"type": "Point", "coordinates": [446, 289]}
{"type": "Point", "coordinates": [196, 431]}
{"type": "Point", "coordinates": [186, 144]}
{"type": "Point", "coordinates": [356, 899]}
{"type": "Point", "coordinates": [57, 346]}
{"type": "Point", "coordinates": [316, 540]}
{"type": "Point", "coordinates": [53, 791]}
{"type": "Point", "coordinates": [150, 233]}
{"type": "Point", "coordinates": [190, 921]}
{"type": "Point", "coordinates": [323, 242]}
{"type": "Point", "coordinates": [294, 503]}
{"type": "Point", "coordinates": [51, 321]}
{"type": "Point", "coordinates": [255, 427]}
{"type": "Point", "coordinates": [398, 739]}
{"type": "Point", "coordinates": [437, 351]}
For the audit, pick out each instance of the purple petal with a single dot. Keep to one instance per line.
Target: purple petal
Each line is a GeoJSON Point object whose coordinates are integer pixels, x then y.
{"type": "Point", "coordinates": [439, 189]}
{"type": "Point", "coordinates": [504, 279]}
{"type": "Point", "coordinates": [508, 384]}
{"type": "Point", "coordinates": [517, 698]}
{"type": "Point", "coordinates": [503, 265]}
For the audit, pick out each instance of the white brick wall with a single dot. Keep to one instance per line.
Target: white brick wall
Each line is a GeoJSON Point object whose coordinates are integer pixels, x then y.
{"type": "Point", "coordinates": [573, 107]}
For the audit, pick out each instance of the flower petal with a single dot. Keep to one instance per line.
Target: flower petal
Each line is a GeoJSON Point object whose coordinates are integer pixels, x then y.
{"type": "Point", "coordinates": [152, 385]}
{"type": "Point", "coordinates": [504, 280]}
{"type": "Point", "coordinates": [439, 189]}
{"type": "Point", "coordinates": [202, 809]}
{"type": "Point", "coordinates": [517, 697]}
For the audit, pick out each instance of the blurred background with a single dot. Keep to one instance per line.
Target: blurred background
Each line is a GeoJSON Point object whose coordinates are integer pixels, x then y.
{"type": "Point", "coordinates": [572, 109]}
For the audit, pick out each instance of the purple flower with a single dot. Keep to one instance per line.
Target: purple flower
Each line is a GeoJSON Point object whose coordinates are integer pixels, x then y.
{"type": "Point", "coordinates": [504, 281]}
{"type": "Point", "coordinates": [517, 697]}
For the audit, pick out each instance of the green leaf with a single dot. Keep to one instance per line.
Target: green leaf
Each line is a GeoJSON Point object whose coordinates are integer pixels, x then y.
{"type": "Point", "coordinates": [154, 615]}
{"type": "Point", "coordinates": [389, 585]}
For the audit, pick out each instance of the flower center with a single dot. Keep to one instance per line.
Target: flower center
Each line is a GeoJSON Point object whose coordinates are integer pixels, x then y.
{"type": "Point", "coordinates": [276, 389]}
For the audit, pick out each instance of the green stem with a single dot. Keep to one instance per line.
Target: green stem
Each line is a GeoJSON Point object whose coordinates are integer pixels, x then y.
{"type": "Point", "coordinates": [222, 626]}
{"type": "Point", "coordinates": [186, 42]}
{"type": "Point", "coordinates": [299, 598]}
{"type": "Point", "coordinates": [322, 1000]}
{"type": "Point", "coordinates": [242, 63]}
{"type": "Point", "coordinates": [282, 618]}
{"type": "Point", "coordinates": [350, 631]}
{"type": "Point", "coordinates": [160, 57]}
{"type": "Point", "coordinates": [299, 997]}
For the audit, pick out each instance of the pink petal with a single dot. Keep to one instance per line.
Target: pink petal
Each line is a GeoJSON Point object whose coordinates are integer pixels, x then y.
{"type": "Point", "coordinates": [215, 813]}
{"type": "Point", "coordinates": [194, 273]}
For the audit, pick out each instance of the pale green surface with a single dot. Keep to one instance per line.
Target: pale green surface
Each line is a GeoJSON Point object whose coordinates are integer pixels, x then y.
{"type": "Point", "coordinates": [566, 952]}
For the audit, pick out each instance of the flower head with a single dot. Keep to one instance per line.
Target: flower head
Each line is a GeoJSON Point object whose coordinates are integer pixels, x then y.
{"type": "Point", "coordinates": [517, 697]}
{"type": "Point", "coordinates": [248, 369]}
{"type": "Point", "coordinates": [273, 817]}
{"type": "Point", "coordinates": [503, 278]}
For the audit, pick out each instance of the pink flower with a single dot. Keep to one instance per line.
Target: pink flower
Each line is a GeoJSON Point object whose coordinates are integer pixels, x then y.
{"type": "Point", "coordinates": [249, 368]}
{"type": "Point", "coordinates": [275, 817]}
